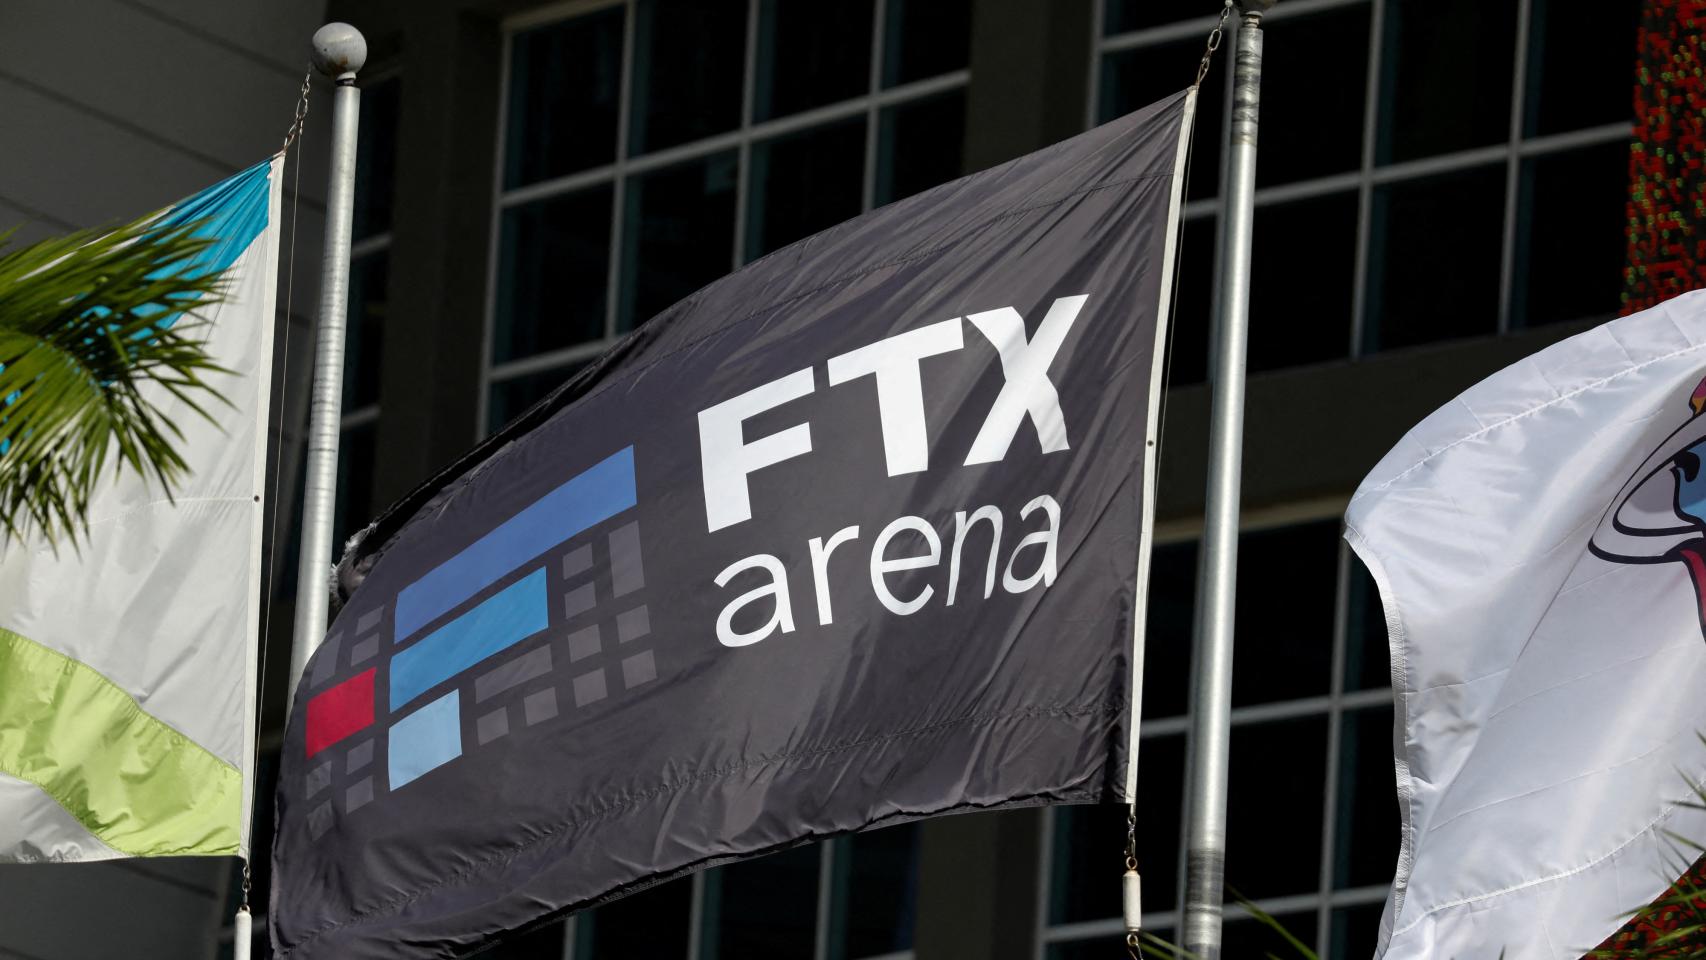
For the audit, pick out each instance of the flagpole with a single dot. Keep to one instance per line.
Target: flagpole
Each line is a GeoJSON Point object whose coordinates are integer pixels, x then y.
{"type": "Point", "coordinates": [1211, 702]}
{"type": "Point", "coordinates": [339, 51]}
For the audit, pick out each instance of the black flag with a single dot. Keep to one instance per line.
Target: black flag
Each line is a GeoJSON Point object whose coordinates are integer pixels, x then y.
{"type": "Point", "coordinates": [850, 537]}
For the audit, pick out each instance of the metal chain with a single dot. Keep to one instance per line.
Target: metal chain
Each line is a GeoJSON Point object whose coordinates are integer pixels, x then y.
{"type": "Point", "coordinates": [296, 122]}
{"type": "Point", "coordinates": [1131, 838]}
{"type": "Point", "coordinates": [244, 908]}
{"type": "Point", "coordinates": [1214, 38]}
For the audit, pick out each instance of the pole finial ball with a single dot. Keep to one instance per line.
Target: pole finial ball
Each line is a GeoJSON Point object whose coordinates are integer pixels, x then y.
{"type": "Point", "coordinates": [339, 50]}
{"type": "Point", "coordinates": [1256, 6]}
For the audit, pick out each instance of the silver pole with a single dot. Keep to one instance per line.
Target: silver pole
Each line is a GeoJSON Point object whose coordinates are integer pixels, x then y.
{"type": "Point", "coordinates": [339, 51]}
{"type": "Point", "coordinates": [1211, 703]}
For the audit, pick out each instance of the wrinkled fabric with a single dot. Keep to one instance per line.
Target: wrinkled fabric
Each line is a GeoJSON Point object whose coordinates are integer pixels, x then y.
{"type": "Point", "coordinates": [740, 585]}
{"type": "Point", "coordinates": [1534, 547]}
{"type": "Point", "coordinates": [160, 599]}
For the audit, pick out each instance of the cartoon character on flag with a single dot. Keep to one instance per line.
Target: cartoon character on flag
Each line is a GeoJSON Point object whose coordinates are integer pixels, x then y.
{"type": "Point", "coordinates": [1659, 516]}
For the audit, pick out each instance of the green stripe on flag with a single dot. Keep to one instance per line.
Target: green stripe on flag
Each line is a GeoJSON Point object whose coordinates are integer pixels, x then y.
{"type": "Point", "coordinates": [140, 786]}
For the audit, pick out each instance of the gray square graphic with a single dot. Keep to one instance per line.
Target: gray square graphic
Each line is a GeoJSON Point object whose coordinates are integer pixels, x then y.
{"type": "Point", "coordinates": [358, 794]}
{"type": "Point", "coordinates": [363, 650]}
{"type": "Point", "coordinates": [589, 688]}
{"type": "Point", "coordinates": [577, 561]}
{"type": "Point", "coordinates": [583, 643]}
{"type": "Point", "coordinates": [540, 706]}
{"type": "Point", "coordinates": [320, 820]}
{"type": "Point", "coordinates": [369, 620]}
{"type": "Point", "coordinates": [492, 726]}
{"type": "Point", "coordinates": [639, 668]}
{"type": "Point", "coordinates": [360, 756]}
{"type": "Point", "coordinates": [318, 779]}
{"type": "Point", "coordinates": [633, 624]}
{"type": "Point", "coordinates": [578, 601]}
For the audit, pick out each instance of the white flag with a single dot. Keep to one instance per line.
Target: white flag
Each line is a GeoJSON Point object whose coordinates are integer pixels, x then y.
{"type": "Point", "coordinates": [127, 683]}
{"type": "Point", "coordinates": [1539, 545]}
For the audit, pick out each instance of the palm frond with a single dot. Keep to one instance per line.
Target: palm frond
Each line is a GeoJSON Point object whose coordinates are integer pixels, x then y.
{"type": "Point", "coordinates": [87, 322]}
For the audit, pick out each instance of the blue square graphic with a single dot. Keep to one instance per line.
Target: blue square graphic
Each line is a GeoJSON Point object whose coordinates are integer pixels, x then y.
{"type": "Point", "coordinates": [426, 739]}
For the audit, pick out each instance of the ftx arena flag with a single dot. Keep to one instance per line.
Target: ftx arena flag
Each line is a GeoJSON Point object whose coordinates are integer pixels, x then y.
{"type": "Point", "coordinates": [127, 661]}
{"type": "Point", "coordinates": [846, 538]}
{"type": "Point", "coordinates": [1540, 547]}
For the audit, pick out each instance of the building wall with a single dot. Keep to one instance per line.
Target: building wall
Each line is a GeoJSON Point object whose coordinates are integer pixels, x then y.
{"type": "Point", "coordinates": [1419, 225]}
{"type": "Point", "coordinates": [1401, 255]}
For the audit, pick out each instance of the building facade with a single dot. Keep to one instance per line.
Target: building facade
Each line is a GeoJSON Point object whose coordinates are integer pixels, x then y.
{"type": "Point", "coordinates": [1441, 191]}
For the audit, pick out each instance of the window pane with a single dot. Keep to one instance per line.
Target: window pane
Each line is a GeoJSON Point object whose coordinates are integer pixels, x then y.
{"type": "Point", "coordinates": [564, 88]}
{"type": "Point", "coordinates": [356, 450]}
{"type": "Point", "coordinates": [553, 269]}
{"type": "Point", "coordinates": [1300, 285]}
{"type": "Point", "coordinates": [1434, 269]}
{"type": "Point", "coordinates": [511, 398]}
{"type": "Point", "coordinates": [545, 943]}
{"type": "Point", "coordinates": [810, 53]}
{"type": "Point", "coordinates": [925, 38]}
{"type": "Point", "coordinates": [689, 58]}
{"type": "Point", "coordinates": [1245, 936]}
{"type": "Point", "coordinates": [1570, 252]}
{"type": "Point", "coordinates": [1446, 78]}
{"type": "Point", "coordinates": [1314, 77]}
{"type": "Point", "coordinates": [1356, 930]}
{"type": "Point", "coordinates": [1187, 358]}
{"type": "Point", "coordinates": [1131, 79]}
{"type": "Point", "coordinates": [1581, 64]}
{"type": "Point", "coordinates": [1367, 831]}
{"type": "Point", "coordinates": [650, 924]}
{"type": "Point", "coordinates": [874, 900]}
{"type": "Point", "coordinates": [1273, 811]}
{"type": "Point", "coordinates": [1167, 637]}
{"type": "Point", "coordinates": [762, 908]}
{"type": "Point", "coordinates": [922, 145]}
{"type": "Point", "coordinates": [677, 233]}
{"type": "Point", "coordinates": [1287, 586]}
{"type": "Point", "coordinates": [364, 337]}
{"type": "Point", "coordinates": [376, 158]}
{"type": "Point", "coordinates": [1088, 838]}
{"type": "Point", "coordinates": [1368, 664]}
{"type": "Point", "coordinates": [804, 183]}
{"type": "Point", "coordinates": [1126, 15]}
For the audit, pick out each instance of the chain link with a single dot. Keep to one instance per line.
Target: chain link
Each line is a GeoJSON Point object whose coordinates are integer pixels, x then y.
{"type": "Point", "coordinates": [1214, 38]}
{"type": "Point", "coordinates": [297, 122]}
{"type": "Point", "coordinates": [1131, 839]}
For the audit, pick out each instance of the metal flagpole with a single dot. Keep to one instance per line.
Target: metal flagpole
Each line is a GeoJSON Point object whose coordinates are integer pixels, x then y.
{"type": "Point", "coordinates": [1211, 698]}
{"type": "Point", "coordinates": [339, 51]}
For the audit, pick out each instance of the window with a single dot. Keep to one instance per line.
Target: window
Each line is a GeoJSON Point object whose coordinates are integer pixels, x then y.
{"type": "Point", "coordinates": [1312, 817]}
{"type": "Point", "coordinates": [1429, 169]}
{"type": "Point", "coordinates": [652, 146]}
{"type": "Point", "coordinates": [853, 898]}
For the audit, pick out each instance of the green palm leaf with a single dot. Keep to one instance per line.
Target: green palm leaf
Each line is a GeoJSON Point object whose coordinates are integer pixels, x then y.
{"type": "Point", "coordinates": [87, 322]}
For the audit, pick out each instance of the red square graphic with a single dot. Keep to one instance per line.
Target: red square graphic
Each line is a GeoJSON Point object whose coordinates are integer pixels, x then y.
{"type": "Point", "coordinates": [340, 711]}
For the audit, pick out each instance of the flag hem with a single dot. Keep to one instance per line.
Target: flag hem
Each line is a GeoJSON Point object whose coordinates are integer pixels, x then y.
{"type": "Point", "coordinates": [1152, 445]}
{"type": "Point", "coordinates": [485, 869]}
{"type": "Point", "coordinates": [1400, 723]}
{"type": "Point", "coordinates": [257, 526]}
